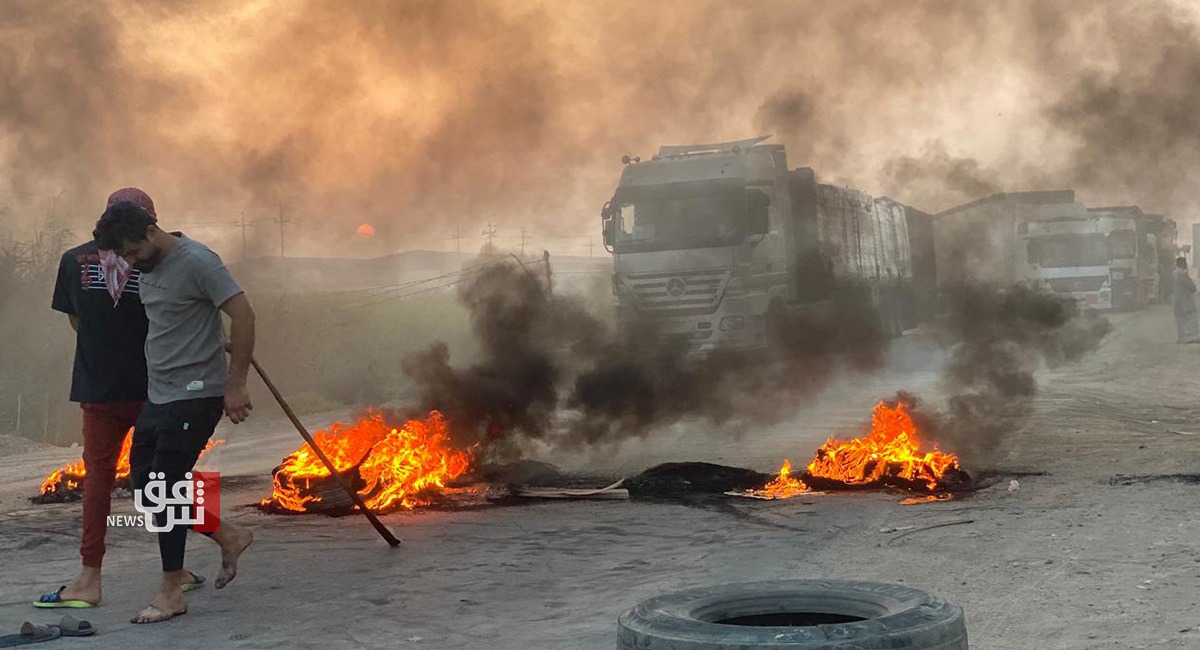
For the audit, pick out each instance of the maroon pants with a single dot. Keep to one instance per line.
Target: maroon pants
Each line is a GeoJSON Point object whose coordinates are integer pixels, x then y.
{"type": "Point", "coordinates": [104, 427]}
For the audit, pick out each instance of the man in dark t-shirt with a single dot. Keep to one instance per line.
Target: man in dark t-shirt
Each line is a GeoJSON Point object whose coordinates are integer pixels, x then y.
{"type": "Point", "coordinates": [98, 291]}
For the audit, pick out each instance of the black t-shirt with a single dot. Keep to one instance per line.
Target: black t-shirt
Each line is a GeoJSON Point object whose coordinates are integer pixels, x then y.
{"type": "Point", "coordinates": [110, 346]}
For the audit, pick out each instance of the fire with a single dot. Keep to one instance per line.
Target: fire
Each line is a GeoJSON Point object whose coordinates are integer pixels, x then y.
{"type": "Point", "coordinates": [66, 483]}
{"type": "Point", "coordinates": [784, 486]}
{"type": "Point", "coordinates": [395, 467]}
{"type": "Point", "coordinates": [890, 453]}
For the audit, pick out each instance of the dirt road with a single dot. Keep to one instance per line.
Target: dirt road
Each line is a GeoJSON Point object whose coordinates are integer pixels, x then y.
{"type": "Point", "coordinates": [1096, 549]}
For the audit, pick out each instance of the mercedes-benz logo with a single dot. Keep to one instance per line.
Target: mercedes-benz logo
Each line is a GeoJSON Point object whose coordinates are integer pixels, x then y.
{"type": "Point", "coordinates": [676, 287]}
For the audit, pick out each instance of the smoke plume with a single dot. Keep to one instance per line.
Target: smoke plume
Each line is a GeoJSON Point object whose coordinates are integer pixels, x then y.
{"type": "Point", "coordinates": [421, 116]}
{"type": "Point", "coordinates": [999, 336]}
{"type": "Point", "coordinates": [552, 370]}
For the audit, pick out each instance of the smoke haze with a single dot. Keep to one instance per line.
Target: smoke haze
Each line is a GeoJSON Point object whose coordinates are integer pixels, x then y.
{"type": "Point", "coordinates": [553, 370]}
{"type": "Point", "coordinates": [998, 337]}
{"type": "Point", "coordinates": [421, 115]}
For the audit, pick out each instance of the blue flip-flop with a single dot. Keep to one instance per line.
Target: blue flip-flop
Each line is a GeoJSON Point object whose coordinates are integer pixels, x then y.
{"type": "Point", "coordinates": [54, 600]}
{"type": "Point", "coordinates": [197, 582]}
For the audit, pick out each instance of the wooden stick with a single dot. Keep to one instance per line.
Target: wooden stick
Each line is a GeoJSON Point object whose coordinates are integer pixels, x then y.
{"type": "Point", "coordinates": [931, 527]}
{"type": "Point", "coordinates": [383, 531]}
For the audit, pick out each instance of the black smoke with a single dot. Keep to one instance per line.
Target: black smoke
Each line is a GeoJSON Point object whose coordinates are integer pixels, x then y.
{"type": "Point", "coordinates": [999, 336]}
{"type": "Point", "coordinates": [551, 369]}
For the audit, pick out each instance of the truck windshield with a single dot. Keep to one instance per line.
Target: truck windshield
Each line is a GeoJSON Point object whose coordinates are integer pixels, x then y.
{"type": "Point", "coordinates": [1060, 251]}
{"type": "Point", "coordinates": [1123, 244]}
{"type": "Point", "coordinates": [703, 220]}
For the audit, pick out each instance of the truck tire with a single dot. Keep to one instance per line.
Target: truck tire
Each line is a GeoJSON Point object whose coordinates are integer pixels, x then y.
{"type": "Point", "coordinates": [795, 615]}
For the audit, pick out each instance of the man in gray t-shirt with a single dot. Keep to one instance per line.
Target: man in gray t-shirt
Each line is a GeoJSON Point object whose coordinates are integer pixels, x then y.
{"type": "Point", "coordinates": [183, 294]}
{"type": "Point", "coordinates": [184, 288]}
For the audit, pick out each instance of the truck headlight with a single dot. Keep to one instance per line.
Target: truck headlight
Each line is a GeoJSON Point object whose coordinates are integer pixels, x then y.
{"type": "Point", "coordinates": [732, 323]}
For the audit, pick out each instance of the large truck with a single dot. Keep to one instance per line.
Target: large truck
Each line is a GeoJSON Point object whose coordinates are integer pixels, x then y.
{"type": "Point", "coordinates": [707, 239]}
{"type": "Point", "coordinates": [1103, 258]}
{"type": "Point", "coordinates": [1141, 250]}
{"type": "Point", "coordinates": [985, 240]}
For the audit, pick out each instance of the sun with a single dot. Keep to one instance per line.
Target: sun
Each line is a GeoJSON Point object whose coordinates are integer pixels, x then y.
{"type": "Point", "coordinates": [365, 231]}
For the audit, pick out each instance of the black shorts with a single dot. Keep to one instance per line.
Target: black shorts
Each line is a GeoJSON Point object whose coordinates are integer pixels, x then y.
{"type": "Point", "coordinates": [182, 427]}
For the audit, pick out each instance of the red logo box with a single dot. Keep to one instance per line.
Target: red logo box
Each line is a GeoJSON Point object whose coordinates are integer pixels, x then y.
{"type": "Point", "coordinates": [207, 488]}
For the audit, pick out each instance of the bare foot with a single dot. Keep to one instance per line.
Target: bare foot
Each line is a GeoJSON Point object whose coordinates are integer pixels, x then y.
{"type": "Point", "coordinates": [86, 587]}
{"type": "Point", "coordinates": [164, 607]}
{"type": "Point", "coordinates": [233, 541]}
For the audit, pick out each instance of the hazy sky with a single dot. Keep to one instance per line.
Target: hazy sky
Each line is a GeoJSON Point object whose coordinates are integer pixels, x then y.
{"type": "Point", "coordinates": [426, 116]}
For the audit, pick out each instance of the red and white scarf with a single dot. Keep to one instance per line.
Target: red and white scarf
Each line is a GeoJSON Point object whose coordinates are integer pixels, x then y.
{"type": "Point", "coordinates": [116, 273]}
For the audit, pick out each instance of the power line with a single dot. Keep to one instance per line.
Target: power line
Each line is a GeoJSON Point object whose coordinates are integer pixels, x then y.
{"type": "Point", "coordinates": [378, 300]}
{"type": "Point", "coordinates": [369, 298]}
{"type": "Point", "coordinates": [388, 291]}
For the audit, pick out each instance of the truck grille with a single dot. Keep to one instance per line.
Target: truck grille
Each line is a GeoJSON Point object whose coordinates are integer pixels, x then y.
{"type": "Point", "coordinates": [1076, 285]}
{"type": "Point", "coordinates": [690, 291]}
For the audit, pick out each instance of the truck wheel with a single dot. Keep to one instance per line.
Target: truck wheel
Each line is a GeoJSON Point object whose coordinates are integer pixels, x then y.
{"type": "Point", "coordinates": [795, 615]}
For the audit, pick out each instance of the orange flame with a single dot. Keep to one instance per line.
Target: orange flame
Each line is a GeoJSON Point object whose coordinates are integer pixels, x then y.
{"type": "Point", "coordinates": [69, 478]}
{"type": "Point", "coordinates": [784, 486]}
{"type": "Point", "coordinates": [399, 467]}
{"type": "Point", "coordinates": [891, 450]}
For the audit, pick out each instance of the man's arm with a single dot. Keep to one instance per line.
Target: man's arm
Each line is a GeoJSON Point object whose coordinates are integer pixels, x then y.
{"type": "Point", "coordinates": [74, 321]}
{"type": "Point", "coordinates": [241, 350]}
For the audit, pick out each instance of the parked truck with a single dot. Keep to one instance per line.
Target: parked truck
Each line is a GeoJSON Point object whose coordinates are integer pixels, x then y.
{"type": "Point", "coordinates": [1104, 258]}
{"type": "Point", "coordinates": [707, 239]}
{"type": "Point", "coordinates": [1141, 251]}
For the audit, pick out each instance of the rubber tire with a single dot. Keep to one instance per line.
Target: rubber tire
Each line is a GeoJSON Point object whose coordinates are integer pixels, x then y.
{"type": "Point", "coordinates": [897, 618]}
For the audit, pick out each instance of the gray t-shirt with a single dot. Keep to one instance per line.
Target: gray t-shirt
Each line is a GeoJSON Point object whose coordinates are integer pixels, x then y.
{"type": "Point", "coordinates": [185, 355]}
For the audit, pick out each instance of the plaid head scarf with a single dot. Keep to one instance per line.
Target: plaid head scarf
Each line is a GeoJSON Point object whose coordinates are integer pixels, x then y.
{"type": "Point", "coordinates": [116, 269]}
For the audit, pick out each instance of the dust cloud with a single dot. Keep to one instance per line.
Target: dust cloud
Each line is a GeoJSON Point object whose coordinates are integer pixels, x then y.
{"type": "Point", "coordinates": [422, 116]}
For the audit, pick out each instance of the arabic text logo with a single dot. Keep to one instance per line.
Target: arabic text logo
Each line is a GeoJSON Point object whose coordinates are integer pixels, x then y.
{"type": "Point", "coordinates": [195, 501]}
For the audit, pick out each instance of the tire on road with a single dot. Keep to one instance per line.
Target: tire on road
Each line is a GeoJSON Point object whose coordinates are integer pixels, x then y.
{"type": "Point", "coordinates": [795, 615]}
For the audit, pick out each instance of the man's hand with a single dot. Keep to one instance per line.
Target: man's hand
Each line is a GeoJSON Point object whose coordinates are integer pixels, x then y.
{"type": "Point", "coordinates": [237, 403]}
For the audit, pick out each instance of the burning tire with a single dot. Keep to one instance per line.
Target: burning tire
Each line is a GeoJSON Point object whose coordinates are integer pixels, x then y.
{"type": "Point", "coordinates": [796, 615]}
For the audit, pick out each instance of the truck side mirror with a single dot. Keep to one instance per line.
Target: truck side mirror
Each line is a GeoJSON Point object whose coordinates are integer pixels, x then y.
{"type": "Point", "coordinates": [609, 223]}
{"type": "Point", "coordinates": [758, 221]}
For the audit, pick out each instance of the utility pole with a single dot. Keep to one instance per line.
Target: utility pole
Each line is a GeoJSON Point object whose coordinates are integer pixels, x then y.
{"type": "Point", "coordinates": [244, 225]}
{"type": "Point", "coordinates": [489, 232]}
{"type": "Point", "coordinates": [524, 238]}
{"type": "Point", "coordinates": [458, 237]}
{"type": "Point", "coordinates": [591, 245]}
{"type": "Point", "coordinates": [281, 220]}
